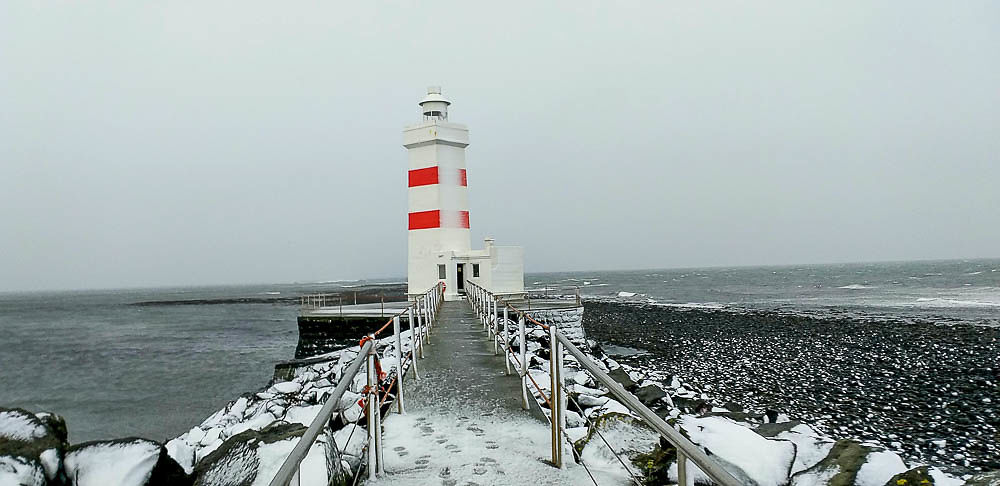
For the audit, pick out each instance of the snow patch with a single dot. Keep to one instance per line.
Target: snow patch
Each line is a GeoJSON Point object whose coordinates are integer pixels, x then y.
{"type": "Point", "coordinates": [15, 425]}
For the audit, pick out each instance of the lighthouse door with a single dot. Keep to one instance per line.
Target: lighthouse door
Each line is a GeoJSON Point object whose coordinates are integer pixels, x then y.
{"type": "Point", "coordinates": [460, 277]}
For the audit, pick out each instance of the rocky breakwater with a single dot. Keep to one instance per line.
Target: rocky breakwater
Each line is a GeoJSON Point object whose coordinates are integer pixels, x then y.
{"type": "Point", "coordinates": [244, 443]}
{"type": "Point", "coordinates": [761, 448]}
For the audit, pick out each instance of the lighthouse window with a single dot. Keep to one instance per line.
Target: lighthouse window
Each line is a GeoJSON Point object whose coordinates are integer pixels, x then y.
{"type": "Point", "coordinates": [475, 269]}
{"type": "Point", "coordinates": [441, 272]}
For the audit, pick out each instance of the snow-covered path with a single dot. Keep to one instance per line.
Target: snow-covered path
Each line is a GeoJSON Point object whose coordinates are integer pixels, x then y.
{"type": "Point", "coordinates": [464, 424]}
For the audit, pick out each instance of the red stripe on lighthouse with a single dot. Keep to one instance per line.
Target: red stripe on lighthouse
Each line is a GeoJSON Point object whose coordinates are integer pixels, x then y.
{"type": "Point", "coordinates": [423, 177]}
{"type": "Point", "coordinates": [435, 219]}
{"type": "Point", "coordinates": [431, 175]}
{"type": "Point", "coordinates": [463, 218]}
{"type": "Point", "coordinates": [425, 220]}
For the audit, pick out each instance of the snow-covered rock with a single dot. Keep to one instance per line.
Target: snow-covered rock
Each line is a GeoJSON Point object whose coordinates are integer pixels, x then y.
{"type": "Point", "coordinates": [766, 462]}
{"type": "Point", "coordinates": [31, 444]}
{"type": "Point", "coordinates": [850, 462]}
{"type": "Point", "coordinates": [810, 446]}
{"type": "Point", "coordinates": [628, 437]}
{"type": "Point", "coordinates": [238, 459]}
{"type": "Point", "coordinates": [351, 439]}
{"type": "Point", "coordinates": [286, 387]}
{"type": "Point", "coordinates": [123, 462]}
{"type": "Point", "coordinates": [17, 470]}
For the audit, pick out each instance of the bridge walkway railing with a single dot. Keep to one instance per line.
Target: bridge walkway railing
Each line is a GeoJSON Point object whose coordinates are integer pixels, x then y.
{"type": "Point", "coordinates": [421, 315]}
{"type": "Point", "coordinates": [494, 313]}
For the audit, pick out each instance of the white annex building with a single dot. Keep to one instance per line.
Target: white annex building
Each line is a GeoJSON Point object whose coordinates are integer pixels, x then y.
{"type": "Point", "coordinates": [440, 246]}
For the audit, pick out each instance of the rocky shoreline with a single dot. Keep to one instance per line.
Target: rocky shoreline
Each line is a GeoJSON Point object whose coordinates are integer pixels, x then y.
{"type": "Point", "coordinates": [928, 392]}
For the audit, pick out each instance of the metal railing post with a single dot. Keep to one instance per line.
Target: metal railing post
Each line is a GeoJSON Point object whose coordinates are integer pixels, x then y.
{"type": "Point", "coordinates": [495, 326]}
{"type": "Point", "coordinates": [421, 309]}
{"type": "Point", "coordinates": [506, 342]}
{"type": "Point", "coordinates": [411, 318]}
{"type": "Point", "coordinates": [524, 361]}
{"type": "Point", "coordinates": [431, 317]}
{"type": "Point", "coordinates": [555, 396]}
{"type": "Point", "coordinates": [379, 459]}
{"type": "Point", "coordinates": [682, 475]}
{"type": "Point", "coordinates": [482, 312]}
{"type": "Point", "coordinates": [399, 365]}
{"type": "Point", "coordinates": [371, 412]}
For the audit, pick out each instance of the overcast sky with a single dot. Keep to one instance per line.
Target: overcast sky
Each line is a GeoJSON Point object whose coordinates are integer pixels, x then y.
{"type": "Point", "coordinates": [175, 143]}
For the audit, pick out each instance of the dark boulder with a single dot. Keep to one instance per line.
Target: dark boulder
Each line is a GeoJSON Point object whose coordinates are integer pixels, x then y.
{"type": "Point", "coordinates": [692, 405]}
{"type": "Point", "coordinates": [650, 394]}
{"type": "Point", "coordinates": [772, 430]}
{"type": "Point", "coordinates": [622, 377]}
{"type": "Point", "coordinates": [733, 407]}
{"type": "Point", "coordinates": [772, 416]}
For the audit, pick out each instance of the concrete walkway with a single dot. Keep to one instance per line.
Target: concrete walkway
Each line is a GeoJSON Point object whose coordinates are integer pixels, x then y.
{"type": "Point", "coordinates": [464, 424]}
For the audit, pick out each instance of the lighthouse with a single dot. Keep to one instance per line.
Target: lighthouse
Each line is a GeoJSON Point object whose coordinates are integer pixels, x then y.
{"type": "Point", "coordinates": [438, 220]}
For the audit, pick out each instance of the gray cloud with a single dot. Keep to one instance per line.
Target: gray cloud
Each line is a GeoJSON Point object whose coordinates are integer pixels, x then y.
{"type": "Point", "coordinates": [249, 142]}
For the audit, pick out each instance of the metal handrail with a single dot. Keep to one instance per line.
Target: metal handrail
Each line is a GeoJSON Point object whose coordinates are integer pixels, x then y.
{"type": "Point", "coordinates": [288, 472]}
{"type": "Point", "coordinates": [686, 449]}
{"type": "Point", "coordinates": [291, 465]}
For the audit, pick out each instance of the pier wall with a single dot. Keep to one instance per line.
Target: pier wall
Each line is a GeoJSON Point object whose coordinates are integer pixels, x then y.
{"type": "Point", "coordinates": [324, 334]}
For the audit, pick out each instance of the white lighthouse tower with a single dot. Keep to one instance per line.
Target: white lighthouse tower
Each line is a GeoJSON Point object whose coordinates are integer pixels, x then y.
{"type": "Point", "coordinates": [438, 221]}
